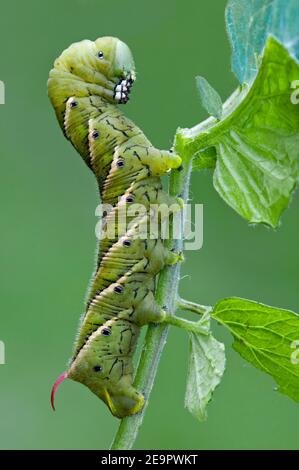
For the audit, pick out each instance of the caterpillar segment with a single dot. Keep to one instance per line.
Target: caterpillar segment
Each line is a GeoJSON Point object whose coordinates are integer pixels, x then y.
{"type": "Point", "coordinates": [86, 84]}
{"type": "Point", "coordinates": [135, 204]}
{"type": "Point", "coordinates": [131, 254]}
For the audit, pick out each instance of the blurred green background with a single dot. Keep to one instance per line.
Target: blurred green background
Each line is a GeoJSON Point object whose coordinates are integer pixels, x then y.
{"type": "Point", "coordinates": [48, 199]}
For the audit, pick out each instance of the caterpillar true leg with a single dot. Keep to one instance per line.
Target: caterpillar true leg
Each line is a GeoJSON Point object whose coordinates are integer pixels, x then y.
{"type": "Point", "coordinates": [87, 82]}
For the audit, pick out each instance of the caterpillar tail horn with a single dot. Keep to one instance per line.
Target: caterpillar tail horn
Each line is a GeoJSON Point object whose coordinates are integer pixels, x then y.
{"type": "Point", "coordinates": [58, 381]}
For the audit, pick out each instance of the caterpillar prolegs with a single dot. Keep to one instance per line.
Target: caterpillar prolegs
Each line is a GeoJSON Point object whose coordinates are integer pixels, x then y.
{"type": "Point", "coordinates": [86, 83]}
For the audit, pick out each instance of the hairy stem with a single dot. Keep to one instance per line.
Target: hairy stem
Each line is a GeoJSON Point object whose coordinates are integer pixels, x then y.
{"type": "Point", "coordinates": [186, 325]}
{"type": "Point", "coordinates": [167, 293]}
{"type": "Point", "coordinates": [193, 307]}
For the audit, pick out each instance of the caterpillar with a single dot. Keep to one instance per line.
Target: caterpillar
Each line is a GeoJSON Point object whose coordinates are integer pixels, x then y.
{"type": "Point", "coordinates": [85, 85]}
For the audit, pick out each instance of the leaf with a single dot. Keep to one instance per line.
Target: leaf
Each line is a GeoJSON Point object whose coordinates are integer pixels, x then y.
{"type": "Point", "coordinates": [206, 367]}
{"type": "Point", "coordinates": [267, 337]}
{"type": "Point", "coordinates": [258, 166]}
{"type": "Point", "coordinates": [205, 159]}
{"type": "Point", "coordinates": [249, 22]}
{"type": "Point", "coordinates": [209, 97]}
{"type": "Point", "coordinates": [257, 140]}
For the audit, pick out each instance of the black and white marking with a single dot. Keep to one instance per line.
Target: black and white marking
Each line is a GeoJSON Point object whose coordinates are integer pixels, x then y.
{"type": "Point", "coordinates": [122, 89]}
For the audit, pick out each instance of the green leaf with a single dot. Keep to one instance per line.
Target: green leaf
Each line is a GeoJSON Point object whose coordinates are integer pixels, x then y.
{"type": "Point", "coordinates": [249, 22]}
{"type": "Point", "coordinates": [209, 97]}
{"type": "Point", "coordinates": [267, 337]}
{"type": "Point", "coordinates": [257, 140]}
{"type": "Point", "coordinates": [205, 159]}
{"type": "Point", "coordinates": [205, 370]}
{"type": "Point", "coordinates": [258, 165]}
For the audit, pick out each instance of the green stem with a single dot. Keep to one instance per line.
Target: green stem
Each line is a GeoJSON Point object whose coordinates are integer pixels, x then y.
{"type": "Point", "coordinates": [156, 334]}
{"type": "Point", "coordinates": [193, 307]}
{"type": "Point", "coordinates": [186, 324]}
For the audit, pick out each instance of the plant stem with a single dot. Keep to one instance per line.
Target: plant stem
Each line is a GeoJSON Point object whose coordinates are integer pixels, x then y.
{"type": "Point", "coordinates": [155, 339]}
{"type": "Point", "coordinates": [193, 307]}
{"type": "Point", "coordinates": [187, 325]}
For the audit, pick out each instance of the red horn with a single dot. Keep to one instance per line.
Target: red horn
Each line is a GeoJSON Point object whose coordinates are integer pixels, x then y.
{"type": "Point", "coordinates": [60, 379]}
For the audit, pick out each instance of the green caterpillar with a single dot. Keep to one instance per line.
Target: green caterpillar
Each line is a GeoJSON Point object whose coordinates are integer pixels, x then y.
{"type": "Point", "coordinates": [86, 83]}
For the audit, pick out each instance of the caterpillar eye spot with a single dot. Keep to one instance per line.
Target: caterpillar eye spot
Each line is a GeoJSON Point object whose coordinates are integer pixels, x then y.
{"type": "Point", "coordinates": [129, 199]}
{"type": "Point", "coordinates": [95, 135]}
{"type": "Point", "coordinates": [106, 332]}
{"type": "Point", "coordinates": [118, 289]}
{"type": "Point", "coordinates": [120, 163]}
{"type": "Point", "coordinates": [100, 55]}
{"type": "Point", "coordinates": [97, 369]}
{"type": "Point", "coordinates": [74, 104]}
{"type": "Point", "coordinates": [127, 243]}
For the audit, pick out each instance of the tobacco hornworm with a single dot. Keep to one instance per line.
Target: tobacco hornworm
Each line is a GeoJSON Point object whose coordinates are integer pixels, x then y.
{"type": "Point", "coordinates": [86, 83]}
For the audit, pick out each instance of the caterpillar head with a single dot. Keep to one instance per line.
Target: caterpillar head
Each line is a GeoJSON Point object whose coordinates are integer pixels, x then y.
{"type": "Point", "coordinates": [117, 63]}
{"type": "Point", "coordinates": [103, 67]}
